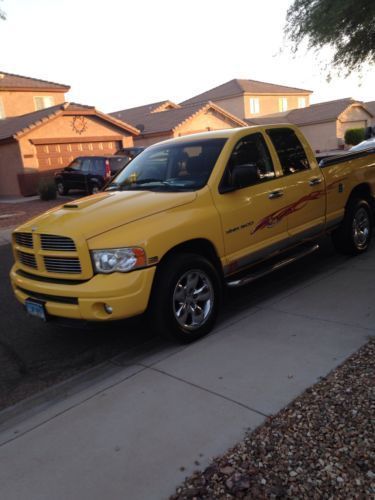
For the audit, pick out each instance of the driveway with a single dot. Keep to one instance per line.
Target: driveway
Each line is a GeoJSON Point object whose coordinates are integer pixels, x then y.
{"type": "Point", "coordinates": [152, 416]}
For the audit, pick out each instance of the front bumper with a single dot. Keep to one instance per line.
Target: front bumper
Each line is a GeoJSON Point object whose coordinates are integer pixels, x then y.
{"type": "Point", "coordinates": [126, 293]}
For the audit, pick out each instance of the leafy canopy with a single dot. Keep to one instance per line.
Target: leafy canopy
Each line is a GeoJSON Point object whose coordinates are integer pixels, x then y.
{"type": "Point", "coordinates": [347, 26]}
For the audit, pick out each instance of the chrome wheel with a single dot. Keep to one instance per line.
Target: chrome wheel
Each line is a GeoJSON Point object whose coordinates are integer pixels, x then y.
{"type": "Point", "coordinates": [361, 228]}
{"type": "Point", "coordinates": [193, 299]}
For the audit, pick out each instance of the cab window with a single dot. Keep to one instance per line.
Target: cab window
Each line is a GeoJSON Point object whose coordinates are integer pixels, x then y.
{"type": "Point", "coordinates": [289, 149]}
{"type": "Point", "coordinates": [251, 150]}
{"type": "Point", "coordinates": [85, 165]}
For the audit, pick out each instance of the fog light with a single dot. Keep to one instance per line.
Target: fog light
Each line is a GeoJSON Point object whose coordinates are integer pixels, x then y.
{"type": "Point", "coordinates": [108, 309]}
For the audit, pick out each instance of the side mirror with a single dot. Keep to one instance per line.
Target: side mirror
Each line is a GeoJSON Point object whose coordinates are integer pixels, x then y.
{"type": "Point", "coordinates": [245, 175]}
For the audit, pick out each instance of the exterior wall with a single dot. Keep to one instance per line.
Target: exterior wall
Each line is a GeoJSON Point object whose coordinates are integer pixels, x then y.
{"type": "Point", "coordinates": [200, 123]}
{"type": "Point", "coordinates": [148, 141]}
{"type": "Point", "coordinates": [61, 128]}
{"type": "Point", "coordinates": [234, 105]}
{"type": "Point", "coordinates": [21, 102]}
{"type": "Point", "coordinates": [353, 117]}
{"type": "Point", "coordinates": [269, 104]}
{"type": "Point", "coordinates": [322, 136]}
{"type": "Point", "coordinates": [10, 166]}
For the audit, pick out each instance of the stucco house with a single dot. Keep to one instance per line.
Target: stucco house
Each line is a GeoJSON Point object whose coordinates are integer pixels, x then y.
{"type": "Point", "coordinates": [251, 98]}
{"type": "Point", "coordinates": [48, 139]}
{"type": "Point", "coordinates": [20, 94]}
{"type": "Point", "coordinates": [40, 132]}
{"type": "Point", "coordinates": [324, 124]}
{"type": "Point", "coordinates": [370, 106]}
{"type": "Point", "coordinates": [164, 120]}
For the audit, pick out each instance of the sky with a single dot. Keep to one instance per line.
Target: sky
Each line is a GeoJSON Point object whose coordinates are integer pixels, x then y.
{"type": "Point", "coordinates": [117, 54]}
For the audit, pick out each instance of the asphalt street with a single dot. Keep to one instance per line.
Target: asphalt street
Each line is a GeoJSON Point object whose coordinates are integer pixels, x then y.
{"type": "Point", "coordinates": [36, 355]}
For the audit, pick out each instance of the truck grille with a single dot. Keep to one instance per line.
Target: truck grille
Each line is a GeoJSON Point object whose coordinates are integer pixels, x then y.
{"type": "Point", "coordinates": [24, 239]}
{"type": "Point", "coordinates": [65, 265]}
{"type": "Point", "coordinates": [27, 259]}
{"type": "Point", "coordinates": [46, 254]}
{"type": "Point", "coordinates": [57, 243]}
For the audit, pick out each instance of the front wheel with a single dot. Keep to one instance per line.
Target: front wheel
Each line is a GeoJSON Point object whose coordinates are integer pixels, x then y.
{"type": "Point", "coordinates": [185, 298]}
{"type": "Point", "coordinates": [61, 189]}
{"type": "Point", "coordinates": [354, 235]}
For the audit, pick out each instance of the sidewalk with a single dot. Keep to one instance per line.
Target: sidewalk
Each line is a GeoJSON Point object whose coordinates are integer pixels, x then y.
{"type": "Point", "coordinates": [147, 421]}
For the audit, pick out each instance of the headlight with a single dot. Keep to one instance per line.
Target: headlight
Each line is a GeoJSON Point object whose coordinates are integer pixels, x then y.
{"type": "Point", "coordinates": [118, 259]}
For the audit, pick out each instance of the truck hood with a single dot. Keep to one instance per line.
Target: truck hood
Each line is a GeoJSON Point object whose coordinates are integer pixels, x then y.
{"type": "Point", "coordinates": [97, 214]}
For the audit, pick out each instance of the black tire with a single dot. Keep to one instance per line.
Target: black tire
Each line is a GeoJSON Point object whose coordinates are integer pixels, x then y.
{"type": "Point", "coordinates": [196, 303]}
{"type": "Point", "coordinates": [94, 188]}
{"type": "Point", "coordinates": [354, 235]}
{"type": "Point", "coordinates": [61, 189]}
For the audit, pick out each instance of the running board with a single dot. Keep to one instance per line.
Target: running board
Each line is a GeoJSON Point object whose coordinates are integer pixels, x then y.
{"type": "Point", "coordinates": [256, 274]}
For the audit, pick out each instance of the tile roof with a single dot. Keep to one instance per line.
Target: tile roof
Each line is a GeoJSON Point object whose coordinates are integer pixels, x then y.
{"type": "Point", "coordinates": [169, 120]}
{"type": "Point", "coordinates": [236, 87]}
{"type": "Point", "coordinates": [136, 115]}
{"type": "Point", "coordinates": [9, 127]}
{"type": "Point", "coordinates": [8, 81]}
{"type": "Point", "coordinates": [315, 113]}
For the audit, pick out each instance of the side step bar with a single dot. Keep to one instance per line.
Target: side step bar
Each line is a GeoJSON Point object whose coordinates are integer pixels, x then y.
{"type": "Point", "coordinates": [255, 274]}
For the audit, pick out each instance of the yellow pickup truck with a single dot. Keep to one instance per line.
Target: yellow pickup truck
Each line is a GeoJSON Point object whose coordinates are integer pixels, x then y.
{"type": "Point", "coordinates": [187, 218]}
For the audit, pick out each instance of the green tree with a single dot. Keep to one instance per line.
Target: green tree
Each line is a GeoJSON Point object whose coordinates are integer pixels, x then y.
{"type": "Point", "coordinates": [347, 26]}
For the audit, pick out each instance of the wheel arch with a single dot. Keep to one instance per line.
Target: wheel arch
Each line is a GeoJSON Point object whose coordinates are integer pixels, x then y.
{"type": "Point", "coordinates": [199, 246]}
{"type": "Point", "coordinates": [362, 191]}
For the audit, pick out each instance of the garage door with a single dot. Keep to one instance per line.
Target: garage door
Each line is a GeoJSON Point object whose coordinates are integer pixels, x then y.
{"type": "Point", "coordinates": [60, 155]}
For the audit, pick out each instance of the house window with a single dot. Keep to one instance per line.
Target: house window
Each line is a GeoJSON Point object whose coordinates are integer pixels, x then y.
{"type": "Point", "coordinates": [2, 112]}
{"type": "Point", "coordinates": [42, 102]}
{"type": "Point", "coordinates": [302, 102]}
{"type": "Point", "coordinates": [254, 105]}
{"type": "Point", "coordinates": [283, 103]}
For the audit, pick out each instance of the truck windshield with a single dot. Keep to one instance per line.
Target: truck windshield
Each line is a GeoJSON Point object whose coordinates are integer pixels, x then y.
{"type": "Point", "coordinates": [181, 166]}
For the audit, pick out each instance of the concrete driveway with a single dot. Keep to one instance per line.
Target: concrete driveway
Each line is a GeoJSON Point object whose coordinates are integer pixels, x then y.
{"type": "Point", "coordinates": [138, 427]}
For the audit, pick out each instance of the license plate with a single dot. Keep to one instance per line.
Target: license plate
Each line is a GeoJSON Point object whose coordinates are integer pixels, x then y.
{"type": "Point", "coordinates": [36, 309]}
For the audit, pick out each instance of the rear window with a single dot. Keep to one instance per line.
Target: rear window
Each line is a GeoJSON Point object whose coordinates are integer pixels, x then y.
{"type": "Point", "coordinates": [290, 151]}
{"type": "Point", "coordinates": [116, 164]}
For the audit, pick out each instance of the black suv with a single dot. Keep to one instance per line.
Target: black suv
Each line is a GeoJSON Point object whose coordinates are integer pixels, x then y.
{"type": "Point", "coordinates": [88, 173]}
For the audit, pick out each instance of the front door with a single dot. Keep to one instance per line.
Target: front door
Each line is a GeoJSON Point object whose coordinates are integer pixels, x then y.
{"type": "Point", "coordinates": [253, 218]}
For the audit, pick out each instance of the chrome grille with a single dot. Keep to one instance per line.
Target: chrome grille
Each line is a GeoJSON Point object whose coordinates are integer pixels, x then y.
{"type": "Point", "coordinates": [65, 265]}
{"type": "Point", "coordinates": [57, 243]}
{"type": "Point", "coordinates": [24, 239]}
{"type": "Point", "coordinates": [27, 259]}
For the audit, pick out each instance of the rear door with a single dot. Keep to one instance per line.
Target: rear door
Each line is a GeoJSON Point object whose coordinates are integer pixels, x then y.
{"type": "Point", "coordinates": [304, 183]}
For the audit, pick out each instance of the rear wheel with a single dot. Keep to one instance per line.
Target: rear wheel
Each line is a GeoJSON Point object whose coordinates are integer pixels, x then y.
{"type": "Point", "coordinates": [61, 189]}
{"type": "Point", "coordinates": [354, 235]}
{"type": "Point", "coordinates": [185, 298]}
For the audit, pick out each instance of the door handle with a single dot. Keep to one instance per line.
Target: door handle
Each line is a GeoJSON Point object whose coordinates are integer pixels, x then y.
{"type": "Point", "coordinates": [276, 194]}
{"type": "Point", "coordinates": [315, 181]}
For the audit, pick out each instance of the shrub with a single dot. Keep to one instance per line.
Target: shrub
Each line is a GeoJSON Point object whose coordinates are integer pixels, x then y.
{"type": "Point", "coordinates": [47, 189]}
{"type": "Point", "coordinates": [354, 136]}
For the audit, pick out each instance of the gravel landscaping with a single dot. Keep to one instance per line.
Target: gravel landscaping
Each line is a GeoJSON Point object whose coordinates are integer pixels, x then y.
{"type": "Point", "coordinates": [320, 446]}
